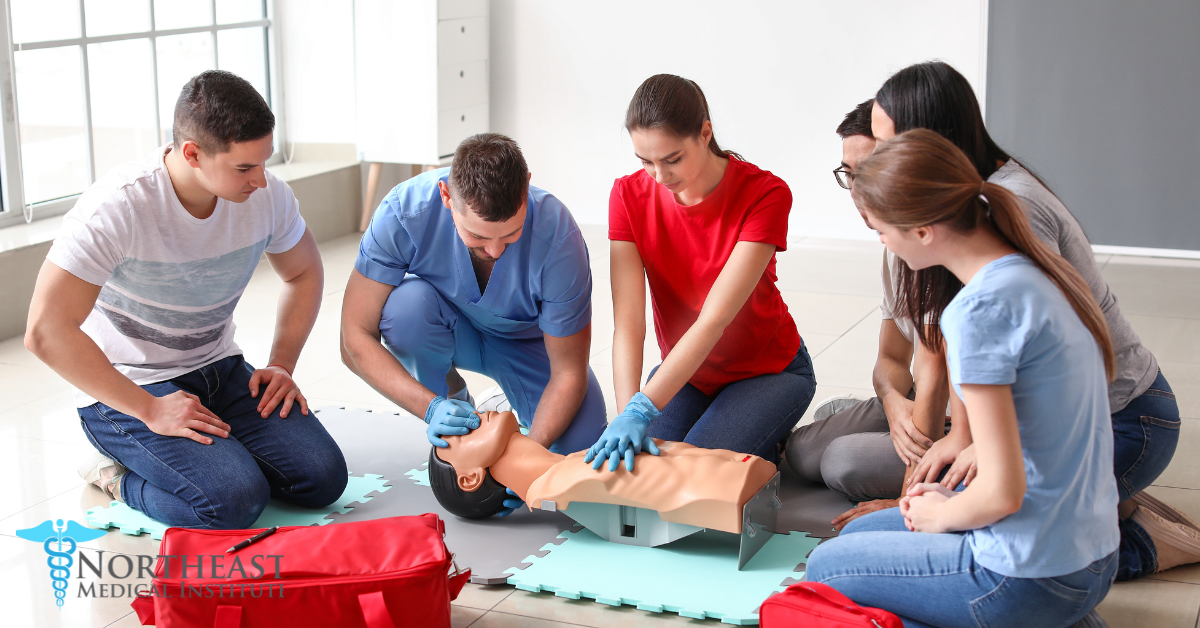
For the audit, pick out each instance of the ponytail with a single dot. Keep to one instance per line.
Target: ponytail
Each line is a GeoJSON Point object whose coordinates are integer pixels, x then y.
{"type": "Point", "coordinates": [1004, 210]}
{"type": "Point", "coordinates": [920, 178]}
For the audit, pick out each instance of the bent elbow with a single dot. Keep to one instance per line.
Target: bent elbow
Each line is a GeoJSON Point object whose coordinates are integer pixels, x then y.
{"type": "Point", "coordinates": [36, 339]}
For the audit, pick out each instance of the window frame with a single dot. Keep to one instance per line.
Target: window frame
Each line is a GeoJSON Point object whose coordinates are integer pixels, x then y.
{"type": "Point", "coordinates": [13, 208]}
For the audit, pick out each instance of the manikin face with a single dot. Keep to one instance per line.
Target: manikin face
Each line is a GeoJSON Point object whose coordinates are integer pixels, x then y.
{"type": "Point", "coordinates": [235, 174]}
{"type": "Point", "coordinates": [472, 453]}
{"type": "Point", "coordinates": [486, 240]}
{"type": "Point", "coordinates": [882, 126]}
{"type": "Point", "coordinates": [676, 163]}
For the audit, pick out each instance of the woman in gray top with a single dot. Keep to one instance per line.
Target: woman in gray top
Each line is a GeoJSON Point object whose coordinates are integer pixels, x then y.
{"type": "Point", "coordinates": [1145, 415]}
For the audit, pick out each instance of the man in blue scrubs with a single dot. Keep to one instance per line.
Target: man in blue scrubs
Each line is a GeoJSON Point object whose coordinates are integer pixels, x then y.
{"type": "Point", "coordinates": [472, 268]}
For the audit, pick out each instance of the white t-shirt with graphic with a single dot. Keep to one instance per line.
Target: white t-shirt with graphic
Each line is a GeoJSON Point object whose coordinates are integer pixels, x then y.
{"type": "Point", "coordinates": [170, 281]}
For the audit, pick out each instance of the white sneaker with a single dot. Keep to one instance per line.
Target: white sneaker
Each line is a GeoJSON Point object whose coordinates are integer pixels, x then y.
{"type": "Point", "coordinates": [1176, 536]}
{"type": "Point", "coordinates": [104, 473]}
{"type": "Point", "coordinates": [494, 400]}
{"type": "Point", "coordinates": [834, 405]}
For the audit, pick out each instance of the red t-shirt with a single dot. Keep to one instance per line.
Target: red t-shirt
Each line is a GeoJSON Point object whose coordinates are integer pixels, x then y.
{"type": "Point", "coordinates": [684, 248]}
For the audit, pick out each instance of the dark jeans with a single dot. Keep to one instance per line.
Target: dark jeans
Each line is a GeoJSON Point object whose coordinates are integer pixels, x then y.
{"type": "Point", "coordinates": [225, 485]}
{"type": "Point", "coordinates": [751, 416]}
{"type": "Point", "coordinates": [1145, 434]}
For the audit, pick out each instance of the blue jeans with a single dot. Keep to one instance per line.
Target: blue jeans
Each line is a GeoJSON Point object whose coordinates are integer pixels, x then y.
{"type": "Point", "coordinates": [933, 579]}
{"type": "Point", "coordinates": [429, 336]}
{"type": "Point", "coordinates": [751, 416]}
{"type": "Point", "coordinates": [1145, 434]}
{"type": "Point", "coordinates": [225, 485]}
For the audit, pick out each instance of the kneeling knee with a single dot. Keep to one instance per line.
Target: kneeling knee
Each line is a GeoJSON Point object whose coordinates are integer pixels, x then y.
{"type": "Point", "coordinates": [239, 505]}
{"type": "Point", "coordinates": [324, 481]}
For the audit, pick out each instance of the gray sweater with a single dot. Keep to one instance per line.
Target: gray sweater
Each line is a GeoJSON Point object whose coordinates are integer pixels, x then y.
{"type": "Point", "coordinates": [1054, 225]}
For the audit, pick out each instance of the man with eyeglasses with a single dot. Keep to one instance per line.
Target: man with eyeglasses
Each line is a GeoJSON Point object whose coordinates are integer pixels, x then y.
{"type": "Point", "coordinates": [865, 449]}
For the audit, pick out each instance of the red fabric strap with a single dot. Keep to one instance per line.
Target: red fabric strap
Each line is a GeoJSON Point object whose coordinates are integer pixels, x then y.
{"type": "Point", "coordinates": [374, 610]}
{"type": "Point", "coordinates": [457, 582]}
{"type": "Point", "coordinates": [143, 605]}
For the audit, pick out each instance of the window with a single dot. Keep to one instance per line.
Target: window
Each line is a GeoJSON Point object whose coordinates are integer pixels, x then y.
{"type": "Point", "coordinates": [95, 84]}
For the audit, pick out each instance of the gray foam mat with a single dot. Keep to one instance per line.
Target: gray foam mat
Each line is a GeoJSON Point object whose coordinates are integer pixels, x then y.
{"type": "Point", "coordinates": [807, 507]}
{"type": "Point", "coordinates": [391, 444]}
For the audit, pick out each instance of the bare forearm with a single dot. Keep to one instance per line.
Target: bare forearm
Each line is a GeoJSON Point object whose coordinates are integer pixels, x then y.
{"type": "Point", "coordinates": [628, 346]}
{"type": "Point", "coordinates": [932, 393]}
{"type": "Point", "coordinates": [558, 406]}
{"type": "Point", "coordinates": [299, 304]}
{"type": "Point", "coordinates": [685, 358]}
{"type": "Point", "coordinates": [976, 506]}
{"type": "Point", "coordinates": [367, 358]}
{"type": "Point", "coordinates": [891, 378]}
{"type": "Point", "coordinates": [76, 358]}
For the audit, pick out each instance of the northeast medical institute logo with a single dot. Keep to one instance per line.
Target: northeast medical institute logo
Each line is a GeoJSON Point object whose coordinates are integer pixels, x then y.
{"type": "Point", "coordinates": [60, 541]}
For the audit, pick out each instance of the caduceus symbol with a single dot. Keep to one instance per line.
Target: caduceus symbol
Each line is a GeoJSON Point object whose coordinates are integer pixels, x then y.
{"type": "Point", "coordinates": [60, 540]}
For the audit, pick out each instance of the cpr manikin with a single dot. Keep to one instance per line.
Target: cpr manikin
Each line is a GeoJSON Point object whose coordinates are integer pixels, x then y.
{"type": "Point", "coordinates": [687, 487]}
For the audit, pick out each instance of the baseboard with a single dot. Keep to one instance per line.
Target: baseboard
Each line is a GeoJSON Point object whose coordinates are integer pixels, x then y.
{"type": "Point", "coordinates": [1138, 251]}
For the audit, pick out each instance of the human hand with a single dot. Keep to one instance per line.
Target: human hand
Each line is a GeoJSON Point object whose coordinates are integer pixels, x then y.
{"type": "Point", "coordinates": [909, 442]}
{"type": "Point", "coordinates": [448, 417]}
{"type": "Point", "coordinates": [280, 387]}
{"type": "Point", "coordinates": [861, 509]}
{"type": "Point", "coordinates": [181, 414]}
{"type": "Point", "coordinates": [920, 506]}
{"type": "Point", "coordinates": [963, 470]}
{"type": "Point", "coordinates": [510, 504]}
{"type": "Point", "coordinates": [626, 436]}
{"type": "Point", "coordinates": [942, 453]}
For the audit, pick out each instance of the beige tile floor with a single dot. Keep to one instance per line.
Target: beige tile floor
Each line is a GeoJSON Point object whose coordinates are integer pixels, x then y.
{"type": "Point", "coordinates": [832, 288]}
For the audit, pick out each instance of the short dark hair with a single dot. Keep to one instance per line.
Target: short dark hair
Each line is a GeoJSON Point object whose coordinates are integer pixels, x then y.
{"type": "Point", "coordinates": [858, 121]}
{"type": "Point", "coordinates": [489, 174]}
{"type": "Point", "coordinates": [217, 108]}
{"type": "Point", "coordinates": [484, 501]}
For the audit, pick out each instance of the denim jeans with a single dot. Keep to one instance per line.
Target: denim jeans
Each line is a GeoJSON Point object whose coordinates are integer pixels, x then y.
{"type": "Point", "coordinates": [1145, 434]}
{"type": "Point", "coordinates": [751, 416]}
{"type": "Point", "coordinates": [225, 485]}
{"type": "Point", "coordinates": [933, 579]}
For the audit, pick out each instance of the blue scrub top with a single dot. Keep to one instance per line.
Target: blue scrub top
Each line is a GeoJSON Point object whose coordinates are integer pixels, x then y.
{"type": "Point", "coordinates": [541, 283]}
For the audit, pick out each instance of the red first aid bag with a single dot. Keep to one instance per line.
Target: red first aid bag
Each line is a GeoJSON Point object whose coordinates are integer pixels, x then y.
{"type": "Point", "coordinates": [384, 573]}
{"type": "Point", "coordinates": [816, 605]}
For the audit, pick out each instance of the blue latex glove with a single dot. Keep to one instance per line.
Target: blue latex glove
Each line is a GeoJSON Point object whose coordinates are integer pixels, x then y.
{"type": "Point", "coordinates": [449, 417]}
{"type": "Point", "coordinates": [511, 504]}
{"type": "Point", "coordinates": [626, 436]}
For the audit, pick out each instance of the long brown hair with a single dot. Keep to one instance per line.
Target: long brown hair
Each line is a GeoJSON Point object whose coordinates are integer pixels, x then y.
{"type": "Point", "coordinates": [920, 178]}
{"type": "Point", "coordinates": [673, 103]}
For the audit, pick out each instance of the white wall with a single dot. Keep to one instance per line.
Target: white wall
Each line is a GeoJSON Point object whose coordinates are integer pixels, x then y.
{"type": "Point", "coordinates": [317, 57]}
{"type": "Point", "coordinates": [779, 76]}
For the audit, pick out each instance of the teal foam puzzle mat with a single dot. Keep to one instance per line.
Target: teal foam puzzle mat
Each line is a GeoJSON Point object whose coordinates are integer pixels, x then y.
{"type": "Point", "coordinates": [696, 576]}
{"type": "Point", "coordinates": [277, 513]}
{"type": "Point", "coordinates": [420, 475]}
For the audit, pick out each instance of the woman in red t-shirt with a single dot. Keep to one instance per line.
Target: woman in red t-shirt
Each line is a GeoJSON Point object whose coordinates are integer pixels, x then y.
{"type": "Point", "coordinates": [702, 226]}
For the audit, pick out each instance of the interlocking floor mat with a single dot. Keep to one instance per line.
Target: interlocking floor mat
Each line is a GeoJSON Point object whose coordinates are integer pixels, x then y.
{"type": "Point", "coordinates": [696, 576]}
{"type": "Point", "coordinates": [359, 490]}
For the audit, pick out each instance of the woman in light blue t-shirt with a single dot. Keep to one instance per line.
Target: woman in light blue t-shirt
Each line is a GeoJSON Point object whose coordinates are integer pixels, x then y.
{"type": "Point", "coordinates": [1032, 541]}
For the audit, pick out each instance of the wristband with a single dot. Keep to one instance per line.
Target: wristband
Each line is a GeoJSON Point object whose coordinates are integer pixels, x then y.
{"type": "Point", "coordinates": [432, 406]}
{"type": "Point", "coordinates": [285, 369]}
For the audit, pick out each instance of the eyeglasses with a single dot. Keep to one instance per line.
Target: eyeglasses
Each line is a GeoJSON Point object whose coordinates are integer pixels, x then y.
{"type": "Point", "coordinates": [844, 177]}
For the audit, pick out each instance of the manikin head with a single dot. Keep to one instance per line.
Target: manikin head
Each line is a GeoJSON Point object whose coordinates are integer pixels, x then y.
{"type": "Point", "coordinates": [224, 130]}
{"type": "Point", "coordinates": [487, 194]}
{"type": "Point", "coordinates": [459, 473]}
{"type": "Point", "coordinates": [671, 130]}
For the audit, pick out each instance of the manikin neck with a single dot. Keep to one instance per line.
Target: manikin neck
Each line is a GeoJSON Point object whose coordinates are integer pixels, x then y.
{"type": "Point", "coordinates": [524, 460]}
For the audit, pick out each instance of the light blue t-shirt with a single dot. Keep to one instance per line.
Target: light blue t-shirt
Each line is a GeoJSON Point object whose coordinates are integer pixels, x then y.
{"type": "Point", "coordinates": [541, 283]}
{"type": "Point", "coordinates": [1012, 325]}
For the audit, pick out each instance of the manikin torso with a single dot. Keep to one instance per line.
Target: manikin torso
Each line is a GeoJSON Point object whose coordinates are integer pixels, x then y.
{"type": "Point", "coordinates": [684, 484]}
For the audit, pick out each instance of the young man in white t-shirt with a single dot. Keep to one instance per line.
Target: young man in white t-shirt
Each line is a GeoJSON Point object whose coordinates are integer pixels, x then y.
{"type": "Point", "coordinates": [134, 307]}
